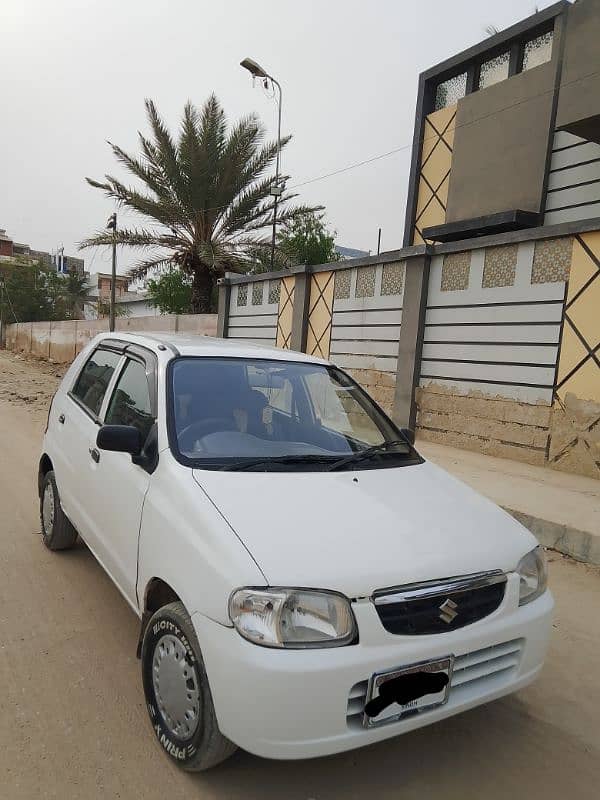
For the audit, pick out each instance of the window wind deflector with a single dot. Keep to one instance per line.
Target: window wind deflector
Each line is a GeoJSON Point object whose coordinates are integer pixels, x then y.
{"type": "Point", "coordinates": [363, 455]}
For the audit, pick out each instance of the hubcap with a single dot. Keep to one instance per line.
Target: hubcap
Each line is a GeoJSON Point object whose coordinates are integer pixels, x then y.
{"type": "Point", "coordinates": [175, 687]}
{"type": "Point", "coordinates": [48, 509]}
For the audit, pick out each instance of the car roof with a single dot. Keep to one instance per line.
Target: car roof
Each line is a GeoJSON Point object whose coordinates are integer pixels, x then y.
{"type": "Point", "coordinates": [197, 345]}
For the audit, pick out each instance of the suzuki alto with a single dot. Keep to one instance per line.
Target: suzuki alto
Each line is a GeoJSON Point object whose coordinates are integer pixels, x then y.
{"type": "Point", "coordinates": [306, 582]}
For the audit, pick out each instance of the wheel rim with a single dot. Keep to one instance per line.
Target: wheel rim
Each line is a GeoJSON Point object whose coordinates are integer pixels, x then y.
{"type": "Point", "coordinates": [48, 509]}
{"type": "Point", "coordinates": [175, 687]}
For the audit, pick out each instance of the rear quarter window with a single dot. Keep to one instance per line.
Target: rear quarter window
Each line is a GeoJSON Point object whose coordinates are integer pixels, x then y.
{"type": "Point", "coordinates": [92, 382]}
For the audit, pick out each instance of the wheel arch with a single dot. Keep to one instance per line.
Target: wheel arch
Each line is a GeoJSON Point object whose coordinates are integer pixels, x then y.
{"type": "Point", "coordinates": [44, 467]}
{"type": "Point", "coordinates": [157, 593]}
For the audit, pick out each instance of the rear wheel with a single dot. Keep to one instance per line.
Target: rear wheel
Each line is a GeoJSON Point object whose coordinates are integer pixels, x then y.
{"type": "Point", "coordinates": [177, 692]}
{"type": "Point", "coordinates": [57, 531]}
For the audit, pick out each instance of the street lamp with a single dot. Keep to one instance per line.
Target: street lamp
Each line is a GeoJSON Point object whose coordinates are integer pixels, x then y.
{"type": "Point", "coordinates": [276, 189]}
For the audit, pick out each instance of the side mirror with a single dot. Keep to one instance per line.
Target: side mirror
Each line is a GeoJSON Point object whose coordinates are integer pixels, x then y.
{"type": "Point", "coordinates": [120, 439]}
{"type": "Point", "coordinates": [408, 434]}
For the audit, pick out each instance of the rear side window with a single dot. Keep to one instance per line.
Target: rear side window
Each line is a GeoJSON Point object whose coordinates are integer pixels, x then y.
{"type": "Point", "coordinates": [130, 401]}
{"type": "Point", "coordinates": [94, 378]}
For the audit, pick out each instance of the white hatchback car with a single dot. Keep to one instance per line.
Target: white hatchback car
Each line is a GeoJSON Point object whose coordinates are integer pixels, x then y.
{"type": "Point", "coordinates": [306, 582]}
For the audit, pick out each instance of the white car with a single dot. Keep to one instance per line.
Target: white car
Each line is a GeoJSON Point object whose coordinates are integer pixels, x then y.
{"type": "Point", "coordinates": [306, 582]}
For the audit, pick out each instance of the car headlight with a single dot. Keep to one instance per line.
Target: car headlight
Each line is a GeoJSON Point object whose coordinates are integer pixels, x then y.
{"type": "Point", "coordinates": [533, 575]}
{"type": "Point", "coordinates": [292, 618]}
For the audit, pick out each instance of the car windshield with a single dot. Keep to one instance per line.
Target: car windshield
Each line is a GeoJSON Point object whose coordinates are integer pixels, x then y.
{"type": "Point", "coordinates": [236, 413]}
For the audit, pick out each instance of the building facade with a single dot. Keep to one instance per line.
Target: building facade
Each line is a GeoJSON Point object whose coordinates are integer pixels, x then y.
{"type": "Point", "coordinates": [483, 332]}
{"type": "Point", "coordinates": [9, 250]}
{"type": "Point", "coordinates": [130, 304]}
{"type": "Point", "coordinates": [507, 133]}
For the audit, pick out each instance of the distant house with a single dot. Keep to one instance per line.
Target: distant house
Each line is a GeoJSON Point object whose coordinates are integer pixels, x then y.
{"type": "Point", "coordinates": [135, 304]}
{"type": "Point", "coordinates": [9, 250]}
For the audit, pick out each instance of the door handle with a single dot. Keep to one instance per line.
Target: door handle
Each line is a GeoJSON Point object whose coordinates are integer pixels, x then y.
{"type": "Point", "coordinates": [95, 454]}
{"type": "Point", "coordinates": [61, 419]}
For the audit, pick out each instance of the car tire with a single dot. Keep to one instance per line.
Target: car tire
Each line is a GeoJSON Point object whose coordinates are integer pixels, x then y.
{"type": "Point", "coordinates": [177, 692]}
{"type": "Point", "coordinates": [57, 531]}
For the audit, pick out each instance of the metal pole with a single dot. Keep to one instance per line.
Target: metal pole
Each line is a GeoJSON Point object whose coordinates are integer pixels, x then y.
{"type": "Point", "coordinates": [278, 85]}
{"type": "Point", "coordinates": [113, 279]}
{"type": "Point", "coordinates": [379, 241]}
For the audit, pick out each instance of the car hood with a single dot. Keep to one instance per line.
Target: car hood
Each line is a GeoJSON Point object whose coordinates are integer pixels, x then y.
{"type": "Point", "coordinates": [358, 531]}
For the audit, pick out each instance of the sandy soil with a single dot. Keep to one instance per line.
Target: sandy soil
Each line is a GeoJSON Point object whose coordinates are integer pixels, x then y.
{"type": "Point", "coordinates": [73, 722]}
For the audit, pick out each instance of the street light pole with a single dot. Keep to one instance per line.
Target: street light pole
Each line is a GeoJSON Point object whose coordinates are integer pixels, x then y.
{"type": "Point", "coordinates": [112, 224]}
{"type": "Point", "coordinates": [276, 189]}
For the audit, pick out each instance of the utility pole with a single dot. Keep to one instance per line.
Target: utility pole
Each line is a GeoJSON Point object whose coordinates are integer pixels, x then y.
{"type": "Point", "coordinates": [112, 225]}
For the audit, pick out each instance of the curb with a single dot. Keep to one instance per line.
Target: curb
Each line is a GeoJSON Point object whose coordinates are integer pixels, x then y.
{"type": "Point", "coordinates": [580, 545]}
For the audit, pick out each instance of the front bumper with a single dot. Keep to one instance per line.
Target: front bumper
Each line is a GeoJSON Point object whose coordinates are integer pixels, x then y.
{"type": "Point", "coordinates": [306, 703]}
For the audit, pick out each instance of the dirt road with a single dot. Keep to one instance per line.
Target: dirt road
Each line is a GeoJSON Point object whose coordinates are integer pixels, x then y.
{"type": "Point", "coordinates": [73, 722]}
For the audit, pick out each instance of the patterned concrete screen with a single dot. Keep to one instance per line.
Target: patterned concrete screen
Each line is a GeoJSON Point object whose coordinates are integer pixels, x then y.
{"type": "Point", "coordinates": [511, 354]}
{"type": "Point", "coordinates": [434, 175]}
{"type": "Point", "coordinates": [366, 320]}
{"type": "Point", "coordinates": [319, 314]}
{"type": "Point", "coordinates": [286, 312]}
{"type": "Point", "coordinates": [253, 312]}
{"type": "Point", "coordinates": [490, 350]}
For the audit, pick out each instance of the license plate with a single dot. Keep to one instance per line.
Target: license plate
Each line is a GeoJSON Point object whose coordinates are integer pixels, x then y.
{"type": "Point", "coordinates": [405, 690]}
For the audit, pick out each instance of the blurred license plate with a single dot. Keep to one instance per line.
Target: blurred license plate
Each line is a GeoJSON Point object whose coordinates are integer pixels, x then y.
{"type": "Point", "coordinates": [388, 691]}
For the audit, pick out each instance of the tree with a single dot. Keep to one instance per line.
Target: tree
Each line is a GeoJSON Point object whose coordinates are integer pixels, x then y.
{"type": "Point", "coordinates": [307, 240]}
{"type": "Point", "coordinates": [171, 293]}
{"type": "Point", "coordinates": [28, 293]}
{"type": "Point", "coordinates": [103, 309]}
{"type": "Point", "coordinates": [206, 195]}
{"type": "Point", "coordinates": [304, 240]}
{"type": "Point", "coordinates": [74, 292]}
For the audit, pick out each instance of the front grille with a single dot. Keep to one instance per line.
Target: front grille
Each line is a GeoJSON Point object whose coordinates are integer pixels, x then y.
{"type": "Point", "coordinates": [442, 606]}
{"type": "Point", "coordinates": [481, 671]}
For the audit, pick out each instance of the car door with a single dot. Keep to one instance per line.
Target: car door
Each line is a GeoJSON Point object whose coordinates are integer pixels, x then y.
{"type": "Point", "coordinates": [77, 425]}
{"type": "Point", "coordinates": [120, 484]}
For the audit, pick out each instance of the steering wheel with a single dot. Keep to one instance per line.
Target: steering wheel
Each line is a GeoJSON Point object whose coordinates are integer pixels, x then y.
{"type": "Point", "coordinates": [201, 428]}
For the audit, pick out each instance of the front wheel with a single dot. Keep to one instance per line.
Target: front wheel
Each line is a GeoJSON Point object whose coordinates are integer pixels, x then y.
{"type": "Point", "coordinates": [177, 692]}
{"type": "Point", "coordinates": [57, 531]}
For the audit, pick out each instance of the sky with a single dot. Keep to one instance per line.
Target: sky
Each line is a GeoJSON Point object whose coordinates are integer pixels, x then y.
{"type": "Point", "coordinates": [74, 74]}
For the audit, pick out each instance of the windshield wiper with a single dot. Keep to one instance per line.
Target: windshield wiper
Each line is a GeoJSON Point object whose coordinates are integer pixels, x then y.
{"type": "Point", "coordinates": [363, 455]}
{"type": "Point", "coordinates": [289, 459]}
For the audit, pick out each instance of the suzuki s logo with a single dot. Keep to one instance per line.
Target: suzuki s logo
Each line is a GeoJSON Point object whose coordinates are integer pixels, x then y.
{"type": "Point", "coordinates": [448, 611]}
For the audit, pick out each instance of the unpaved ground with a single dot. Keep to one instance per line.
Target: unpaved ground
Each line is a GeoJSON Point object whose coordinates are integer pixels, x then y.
{"type": "Point", "coordinates": [73, 723]}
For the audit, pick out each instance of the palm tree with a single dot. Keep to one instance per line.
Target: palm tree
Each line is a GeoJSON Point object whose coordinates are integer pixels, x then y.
{"type": "Point", "coordinates": [206, 196]}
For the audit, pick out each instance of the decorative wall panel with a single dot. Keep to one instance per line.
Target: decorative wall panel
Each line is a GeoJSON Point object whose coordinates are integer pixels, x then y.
{"type": "Point", "coordinates": [552, 260]}
{"type": "Point", "coordinates": [392, 278]}
{"type": "Point", "coordinates": [274, 291]}
{"type": "Point", "coordinates": [257, 293]}
{"type": "Point", "coordinates": [365, 282]}
{"type": "Point", "coordinates": [434, 176]}
{"type": "Point", "coordinates": [286, 312]}
{"type": "Point", "coordinates": [575, 441]}
{"type": "Point", "coordinates": [342, 284]}
{"type": "Point", "coordinates": [455, 271]}
{"type": "Point", "coordinates": [255, 321]}
{"type": "Point", "coordinates": [500, 266]}
{"type": "Point", "coordinates": [320, 314]}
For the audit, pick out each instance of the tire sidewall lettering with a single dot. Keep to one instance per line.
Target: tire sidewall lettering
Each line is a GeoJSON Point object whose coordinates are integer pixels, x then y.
{"type": "Point", "coordinates": [178, 750]}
